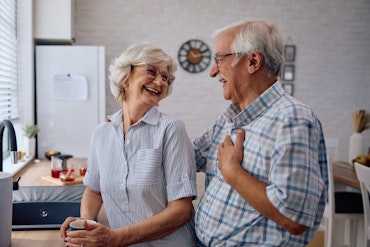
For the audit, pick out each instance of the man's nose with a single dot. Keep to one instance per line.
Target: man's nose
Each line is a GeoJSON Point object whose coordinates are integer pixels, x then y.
{"type": "Point", "coordinates": [214, 71]}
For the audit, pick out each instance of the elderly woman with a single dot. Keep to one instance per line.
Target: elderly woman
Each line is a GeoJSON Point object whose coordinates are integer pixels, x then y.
{"type": "Point", "coordinates": [141, 162]}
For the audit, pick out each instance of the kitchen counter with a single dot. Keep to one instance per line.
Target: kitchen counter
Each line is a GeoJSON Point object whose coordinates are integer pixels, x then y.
{"type": "Point", "coordinates": [31, 175]}
{"type": "Point", "coordinates": [344, 173]}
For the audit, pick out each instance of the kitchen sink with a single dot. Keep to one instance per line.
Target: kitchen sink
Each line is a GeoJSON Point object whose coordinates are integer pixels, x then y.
{"type": "Point", "coordinates": [45, 207]}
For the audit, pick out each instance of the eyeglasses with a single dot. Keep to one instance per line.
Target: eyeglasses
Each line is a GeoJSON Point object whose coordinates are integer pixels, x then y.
{"type": "Point", "coordinates": [217, 56]}
{"type": "Point", "coordinates": [152, 73]}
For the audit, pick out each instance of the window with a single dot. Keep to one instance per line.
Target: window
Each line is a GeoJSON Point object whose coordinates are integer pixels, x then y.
{"type": "Point", "coordinates": [8, 66]}
{"type": "Point", "coordinates": [8, 60]}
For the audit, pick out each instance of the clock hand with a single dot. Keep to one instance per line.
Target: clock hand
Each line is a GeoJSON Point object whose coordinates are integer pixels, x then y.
{"type": "Point", "coordinates": [195, 55]}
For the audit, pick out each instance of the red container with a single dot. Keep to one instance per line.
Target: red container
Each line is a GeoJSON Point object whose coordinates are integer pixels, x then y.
{"type": "Point", "coordinates": [67, 176]}
{"type": "Point", "coordinates": [56, 173]}
{"type": "Point", "coordinates": [82, 171]}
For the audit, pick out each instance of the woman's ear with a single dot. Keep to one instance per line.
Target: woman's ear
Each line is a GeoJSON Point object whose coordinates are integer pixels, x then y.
{"type": "Point", "coordinates": [125, 84]}
{"type": "Point", "coordinates": [255, 61]}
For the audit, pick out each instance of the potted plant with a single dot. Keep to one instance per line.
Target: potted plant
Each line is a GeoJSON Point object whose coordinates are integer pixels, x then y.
{"type": "Point", "coordinates": [30, 132]}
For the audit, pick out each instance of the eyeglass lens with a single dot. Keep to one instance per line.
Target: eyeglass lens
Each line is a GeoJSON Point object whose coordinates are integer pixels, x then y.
{"type": "Point", "coordinates": [153, 73]}
{"type": "Point", "coordinates": [218, 56]}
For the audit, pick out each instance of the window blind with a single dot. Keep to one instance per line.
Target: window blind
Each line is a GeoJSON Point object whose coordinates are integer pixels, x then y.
{"type": "Point", "coordinates": [9, 108]}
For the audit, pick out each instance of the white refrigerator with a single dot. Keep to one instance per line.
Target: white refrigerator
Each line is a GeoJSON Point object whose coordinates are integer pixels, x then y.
{"type": "Point", "coordinates": [70, 97]}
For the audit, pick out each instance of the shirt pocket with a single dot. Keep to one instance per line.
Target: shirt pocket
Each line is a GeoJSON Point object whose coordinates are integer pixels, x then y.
{"type": "Point", "coordinates": [148, 168]}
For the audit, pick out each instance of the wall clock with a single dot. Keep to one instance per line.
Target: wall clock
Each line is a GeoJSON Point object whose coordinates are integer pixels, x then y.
{"type": "Point", "coordinates": [194, 56]}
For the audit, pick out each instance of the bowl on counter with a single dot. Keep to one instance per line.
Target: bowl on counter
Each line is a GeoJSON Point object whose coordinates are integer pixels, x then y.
{"type": "Point", "coordinates": [51, 153]}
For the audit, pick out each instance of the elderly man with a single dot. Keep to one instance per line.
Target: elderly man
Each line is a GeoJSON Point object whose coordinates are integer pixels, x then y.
{"type": "Point", "coordinates": [264, 157]}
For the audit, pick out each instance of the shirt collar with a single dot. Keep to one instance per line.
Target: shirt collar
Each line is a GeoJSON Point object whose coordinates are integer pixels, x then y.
{"type": "Point", "coordinates": [239, 117]}
{"type": "Point", "coordinates": [150, 117]}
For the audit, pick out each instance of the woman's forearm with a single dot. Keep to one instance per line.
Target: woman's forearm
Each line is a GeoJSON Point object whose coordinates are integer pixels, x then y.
{"type": "Point", "coordinates": [90, 204]}
{"type": "Point", "coordinates": [158, 226]}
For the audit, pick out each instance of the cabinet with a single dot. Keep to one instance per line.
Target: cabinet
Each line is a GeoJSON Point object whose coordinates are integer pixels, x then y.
{"type": "Point", "coordinates": [54, 20]}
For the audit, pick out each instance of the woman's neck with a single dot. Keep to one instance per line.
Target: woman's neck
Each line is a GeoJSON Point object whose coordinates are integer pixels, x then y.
{"type": "Point", "coordinates": [132, 114]}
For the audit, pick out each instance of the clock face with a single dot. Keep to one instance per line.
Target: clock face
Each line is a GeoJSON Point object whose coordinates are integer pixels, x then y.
{"type": "Point", "coordinates": [194, 56]}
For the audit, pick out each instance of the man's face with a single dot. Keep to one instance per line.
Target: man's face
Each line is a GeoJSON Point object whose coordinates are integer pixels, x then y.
{"type": "Point", "coordinates": [232, 78]}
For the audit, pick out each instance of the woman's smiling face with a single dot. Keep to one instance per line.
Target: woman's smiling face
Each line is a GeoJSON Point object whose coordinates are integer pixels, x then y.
{"type": "Point", "coordinates": [145, 88]}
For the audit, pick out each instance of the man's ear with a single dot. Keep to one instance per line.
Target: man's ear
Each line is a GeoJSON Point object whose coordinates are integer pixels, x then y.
{"type": "Point", "coordinates": [255, 61]}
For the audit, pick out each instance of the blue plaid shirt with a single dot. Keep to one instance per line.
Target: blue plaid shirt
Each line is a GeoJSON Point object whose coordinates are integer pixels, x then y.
{"type": "Point", "coordinates": [284, 147]}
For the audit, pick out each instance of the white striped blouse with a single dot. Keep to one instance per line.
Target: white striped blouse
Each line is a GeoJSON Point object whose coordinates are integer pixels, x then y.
{"type": "Point", "coordinates": [139, 174]}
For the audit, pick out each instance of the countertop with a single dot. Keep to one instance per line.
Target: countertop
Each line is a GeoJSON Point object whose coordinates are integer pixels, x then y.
{"type": "Point", "coordinates": [344, 173]}
{"type": "Point", "coordinates": [31, 176]}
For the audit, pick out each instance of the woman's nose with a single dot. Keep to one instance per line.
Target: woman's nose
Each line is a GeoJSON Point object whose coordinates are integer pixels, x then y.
{"type": "Point", "coordinates": [158, 80]}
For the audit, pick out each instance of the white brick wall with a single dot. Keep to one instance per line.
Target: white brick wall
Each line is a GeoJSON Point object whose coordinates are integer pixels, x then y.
{"type": "Point", "coordinates": [332, 60]}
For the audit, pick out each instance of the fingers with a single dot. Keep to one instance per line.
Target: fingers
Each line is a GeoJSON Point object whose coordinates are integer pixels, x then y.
{"type": "Point", "coordinates": [220, 149]}
{"type": "Point", "coordinates": [76, 238]}
{"type": "Point", "coordinates": [90, 226]}
{"type": "Point", "coordinates": [227, 140]}
{"type": "Point", "coordinates": [240, 137]}
{"type": "Point", "coordinates": [219, 152]}
{"type": "Point", "coordinates": [65, 226]}
{"type": "Point", "coordinates": [227, 146]}
{"type": "Point", "coordinates": [95, 234]}
{"type": "Point", "coordinates": [227, 143]}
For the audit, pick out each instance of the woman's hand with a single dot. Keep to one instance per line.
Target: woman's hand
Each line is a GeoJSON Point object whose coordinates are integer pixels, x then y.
{"type": "Point", "coordinates": [65, 226]}
{"type": "Point", "coordinates": [96, 235]}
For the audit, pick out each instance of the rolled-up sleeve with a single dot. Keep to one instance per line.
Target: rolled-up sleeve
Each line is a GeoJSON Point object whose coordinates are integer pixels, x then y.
{"type": "Point", "coordinates": [179, 167]}
{"type": "Point", "coordinates": [296, 183]}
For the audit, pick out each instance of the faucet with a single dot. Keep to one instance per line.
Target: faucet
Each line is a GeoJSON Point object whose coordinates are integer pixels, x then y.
{"type": "Point", "coordinates": [13, 143]}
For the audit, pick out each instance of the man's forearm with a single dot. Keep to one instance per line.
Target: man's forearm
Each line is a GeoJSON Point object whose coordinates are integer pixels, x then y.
{"type": "Point", "coordinates": [254, 192]}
